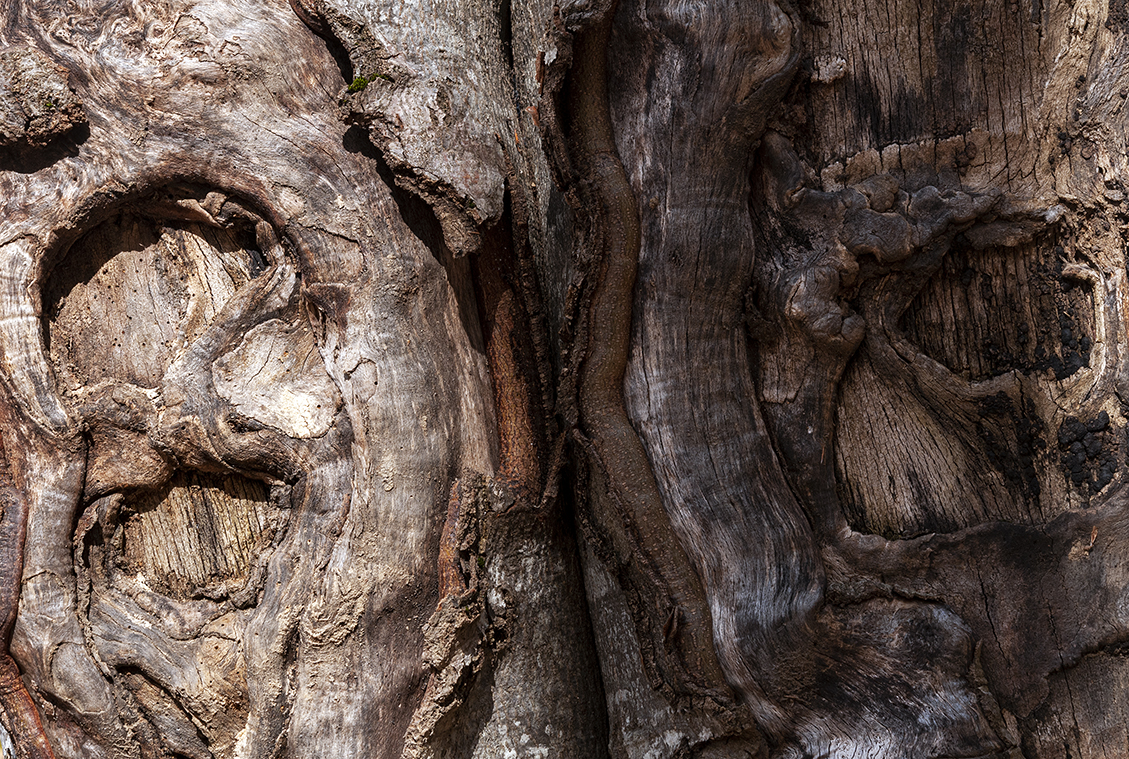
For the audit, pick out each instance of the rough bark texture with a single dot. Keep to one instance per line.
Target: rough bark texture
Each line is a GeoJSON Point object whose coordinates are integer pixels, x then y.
{"type": "Point", "coordinates": [512, 378]}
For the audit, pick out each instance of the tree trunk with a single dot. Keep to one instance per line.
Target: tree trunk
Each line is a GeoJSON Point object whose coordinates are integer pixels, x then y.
{"type": "Point", "coordinates": [516, 379]}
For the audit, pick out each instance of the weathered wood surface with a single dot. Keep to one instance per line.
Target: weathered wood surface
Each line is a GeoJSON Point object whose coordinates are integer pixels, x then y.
{"type": "Point", "coordinates": [220, 289]}
{"type": "Point", "coordinates": [514, 378]}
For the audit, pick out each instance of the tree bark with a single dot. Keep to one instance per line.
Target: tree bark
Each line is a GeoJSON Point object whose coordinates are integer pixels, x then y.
{"type": "Point", "coordinates": [521, 379]}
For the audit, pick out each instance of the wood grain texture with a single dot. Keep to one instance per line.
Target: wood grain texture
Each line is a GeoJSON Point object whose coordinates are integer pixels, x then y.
{"type": "Point", "coordinates": [630, 485]}
{"type": "Point", "coordinates": [360, 325]}
{"type": "Point", "coordinates": [322, 322]}
{"type": "Point", "coordinates": [981, 397]}
{"type": "Point", "coordinates": [21, 715]}
{"type": "Point", "coordinates": [441, 113]}
{"type": "Point", "coordinates": [196, 532]}
{"type": "Point", "coordinates": [179, 277]}
{"type": "Point", "coordinates": [281, 315]}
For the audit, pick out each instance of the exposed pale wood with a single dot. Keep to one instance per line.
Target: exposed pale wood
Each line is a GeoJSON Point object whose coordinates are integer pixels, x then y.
{"type": "Point", "coordinates": [133, 294]}
{"type": "Point", "coordinates": [196, 532]}
{"type": "Point", "coordinates": [276, 376]}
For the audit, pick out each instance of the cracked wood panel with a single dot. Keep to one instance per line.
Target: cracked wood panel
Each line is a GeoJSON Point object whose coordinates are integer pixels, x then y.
{"type": "Point", "coordinates": [939, 89]}
{"type": "Point", "coordinates": [1049, 621]}
{"type": "Point", "coordinates": [195, 532]}
{"type": "Point", "coordinates": [983, 315]}
{"type": "Point", "coordinates": [1067, 712]}
{"type": "Point", "coordinates": [133, 293]}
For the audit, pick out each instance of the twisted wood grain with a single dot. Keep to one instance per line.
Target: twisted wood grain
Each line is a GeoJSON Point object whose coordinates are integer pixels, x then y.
{"type": "Point", "coordinates": [658, 553]}
{"type": "Point", "coordinates": [23, 720]}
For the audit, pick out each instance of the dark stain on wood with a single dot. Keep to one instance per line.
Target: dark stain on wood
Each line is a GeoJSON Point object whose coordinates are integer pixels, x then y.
{"type": "Point", "coordinates": [1088, 452]}
{"type": "Point", "coordinates": [954, 39]}
{"type": "Point", "coordinates": [1013, 439]}
{"type": "Point", "coordinates": [985, 313]}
